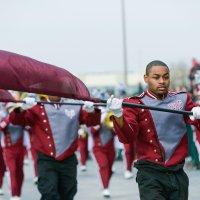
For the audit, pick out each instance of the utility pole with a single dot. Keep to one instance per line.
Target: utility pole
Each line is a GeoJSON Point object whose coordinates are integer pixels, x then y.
{"type": "Point", "coordinates": [124, 40]}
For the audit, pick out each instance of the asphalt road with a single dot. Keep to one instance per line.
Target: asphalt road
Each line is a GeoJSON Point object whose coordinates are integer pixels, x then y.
{"type": "Point", "coordinates": [89, 187]}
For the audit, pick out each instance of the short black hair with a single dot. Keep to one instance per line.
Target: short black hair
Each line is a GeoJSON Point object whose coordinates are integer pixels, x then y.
{"type": "Point", "coordinates": [155, 63]}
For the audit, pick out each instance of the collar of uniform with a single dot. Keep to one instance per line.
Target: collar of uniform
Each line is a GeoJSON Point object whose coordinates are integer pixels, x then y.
{"type": "Point", "coordinates": [153, 96]}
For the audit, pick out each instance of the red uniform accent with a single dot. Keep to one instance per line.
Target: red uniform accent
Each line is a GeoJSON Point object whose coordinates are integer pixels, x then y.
{"type": "Point", "coordinates": [104, 155]}
{"type": "Point", "coordinates": [136, 123]}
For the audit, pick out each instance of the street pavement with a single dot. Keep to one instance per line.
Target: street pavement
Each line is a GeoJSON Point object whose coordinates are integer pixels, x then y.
{"type": "Point", "coordinates": [89, 187]}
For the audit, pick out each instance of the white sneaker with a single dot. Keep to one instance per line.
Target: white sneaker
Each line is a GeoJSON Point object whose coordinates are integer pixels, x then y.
{"type": "Point", "coordinates": [83, 168]}
{"type": "Point", "coordinates": [1, 192]}
{"type": "Point", "coordinates": [106, 193]}
{"type": "Point", "coordinates": [15, 198]}
{"type": "Point", "coordinates": [128, 174]}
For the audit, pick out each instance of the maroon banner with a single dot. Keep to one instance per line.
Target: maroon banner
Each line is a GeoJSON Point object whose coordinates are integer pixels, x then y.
{"type": "Point", "coordinates": [25, 74]}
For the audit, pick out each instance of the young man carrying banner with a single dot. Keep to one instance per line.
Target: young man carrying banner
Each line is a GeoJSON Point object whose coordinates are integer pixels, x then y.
{"type": "Point", "coordinates": [55, 133]}
{"type": "Point", "coordinates": [161, 140]}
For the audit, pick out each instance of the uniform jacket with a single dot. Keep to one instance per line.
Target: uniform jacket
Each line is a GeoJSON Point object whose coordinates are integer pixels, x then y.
{"type": "Point", "coordinates": [160, 137]}
{"type": "Point", "coordinates": [54, 127]}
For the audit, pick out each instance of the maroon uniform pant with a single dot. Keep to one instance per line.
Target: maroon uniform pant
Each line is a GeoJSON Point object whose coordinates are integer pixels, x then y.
{"type": "Point", "coordinates": [83, 149]}
{"type": "Point", "coordinates": [129, 155]}
{"type": "Point", "coordinates": [105, 157]}
{"type": "Point", "coordinates": [14, 157]}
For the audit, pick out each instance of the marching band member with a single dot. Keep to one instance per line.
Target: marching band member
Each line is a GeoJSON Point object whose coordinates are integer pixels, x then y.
{"type": "Point", "coordinates": [161, 140]}
{"type": "Point", "coordinates": [129, 157]}
{"type": "Point", "coordinates": [83, 146]}
{"type": "Point", "coordinates": [55, 134]}
{"type": "Point", "coordinates": [103, 149]}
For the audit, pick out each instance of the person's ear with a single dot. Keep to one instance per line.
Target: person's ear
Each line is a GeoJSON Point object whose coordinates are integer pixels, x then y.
{"type": "Point", "coordinates": [145, 78]}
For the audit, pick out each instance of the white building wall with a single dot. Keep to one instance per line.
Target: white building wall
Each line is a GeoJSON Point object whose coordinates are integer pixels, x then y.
{"type": "Point", "coordinates": [110, 79]}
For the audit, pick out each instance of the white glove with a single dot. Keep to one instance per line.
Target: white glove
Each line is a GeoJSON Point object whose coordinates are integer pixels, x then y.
{"type": "Point", "coordinates": [29, 103]}
{"type": "Point", "coordinates": [81, 132]}
{"type": "Point", "coordinates": [88, 106]}
{"type": "Point", "coordinates": [12, 106]}
{"type": "Point", "coordinates": [115, 106]}
{"type": "Point", "coordinates": [196, 113]}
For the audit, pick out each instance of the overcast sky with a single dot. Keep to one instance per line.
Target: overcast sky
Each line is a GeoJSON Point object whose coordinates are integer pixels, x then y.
{"type": "Point", "coordinates": [86, 35]}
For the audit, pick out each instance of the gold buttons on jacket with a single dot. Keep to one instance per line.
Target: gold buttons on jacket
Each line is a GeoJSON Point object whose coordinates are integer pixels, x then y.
{"type": "Point", "coordinates": [50, 145]}
{"type": "Point", "coordinates": [155, 151]}
{"type": "Point", "coordinates": [150, 141]}
{"type": "Point", "coordinates": [142, 110]}
{"type": "Point", "coordinates": [48, 137]}
{"type": "Point", "coordinates": [44, 120]}
{"type": "Point", "coordinates": [148, 130]}
{"type": "Point", "coordinates": [145, 119]}
{"type": "Point", "coordinates": [46, 129]}
{"type": "Point", "coordinates": [156, 160]}
{"type": "Point", "coordinates": [42, 113]}
{"type": "Point", "coordinates": [51, 153]}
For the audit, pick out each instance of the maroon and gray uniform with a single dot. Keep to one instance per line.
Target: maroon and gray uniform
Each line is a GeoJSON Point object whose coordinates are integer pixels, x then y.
{"type": "Point", "coordinates": [55, 136]}
{"type": "Point", "coordinates": [55, 128]}
{"type": "Point", "coordinates": [161, 144]}
{"type": "Point", "coordinates": [160, 136]}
